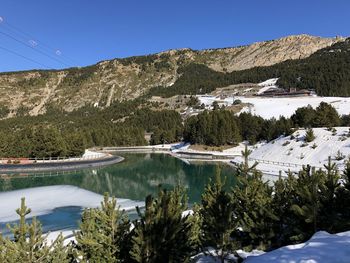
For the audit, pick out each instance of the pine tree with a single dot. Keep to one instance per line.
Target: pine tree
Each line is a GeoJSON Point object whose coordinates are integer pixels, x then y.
{"type": "Point", "coordinates": [195, 220]}
{"type": "Point", "coordinates": [102, 232]}
{"type": "Point", "coordinates": [30, 245]}
{"type": "Point", "coordinates": [329, 190]}
{"type": "Point", "coordinates": [309, 135]}
{"type": "Point", "coordinates": [162, 232]}
{"type": "Point", "coordinates": [243, 169]}
{"type": "Point", "coordinates": [307, 205]}
{"type": "Point", "coordinates": [343, 200]}
{"type": "Point", "coordinates": [283, 198]}
{"type": "Point", "coordinates": [326, 116]}
{"type": "Point", "coordinates": [255, 212]}
{"type": "Point", "coordinates": [218, 220]}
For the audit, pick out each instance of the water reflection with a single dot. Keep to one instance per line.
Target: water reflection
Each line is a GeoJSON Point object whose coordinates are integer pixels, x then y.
{"type": "Point", "coordinates": [135, 178]}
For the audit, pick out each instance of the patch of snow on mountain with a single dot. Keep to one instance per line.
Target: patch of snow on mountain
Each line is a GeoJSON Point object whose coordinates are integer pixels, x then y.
{"type": "Point", "coordinates": [269, 82]}
{"type": "Point", "coordinates": [276, 107]}
{"type": "Point", "coordinates": [266, 85]}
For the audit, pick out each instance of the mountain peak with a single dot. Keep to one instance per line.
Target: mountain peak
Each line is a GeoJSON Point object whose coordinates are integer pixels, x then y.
{"type": "Point", "coordinates": [129, 78]}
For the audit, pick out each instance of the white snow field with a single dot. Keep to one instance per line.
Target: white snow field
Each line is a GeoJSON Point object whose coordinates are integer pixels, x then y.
{"type": "Point", "coordinates": [42, 200]}
{"type": "Point", "coordinates": [276, 107]}
{"type": "Point", "coordinates": [321, 248]}
{"type": "Point", "coordinates": [266, 85]}
{"type": "Point", "coordinates": [285, 154]}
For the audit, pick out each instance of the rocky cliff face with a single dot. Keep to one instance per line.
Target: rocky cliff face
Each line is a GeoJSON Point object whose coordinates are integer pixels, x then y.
{"type": "Point", "coordinates": [33, 92]}
{"type": "Point", "coordinates": [266, 53]}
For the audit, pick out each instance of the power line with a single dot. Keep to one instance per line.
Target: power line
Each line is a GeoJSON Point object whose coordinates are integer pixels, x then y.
{"type": "Point", "coordinates": [22, 56]}
{"type": "Point", "coordinates": [39, 43]}
{"type": "Point", "coordinates": [37, 50]}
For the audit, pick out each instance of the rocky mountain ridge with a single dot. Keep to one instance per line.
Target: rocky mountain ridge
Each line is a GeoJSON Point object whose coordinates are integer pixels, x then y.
{"type": "Point", "coordinates": [33, 92]}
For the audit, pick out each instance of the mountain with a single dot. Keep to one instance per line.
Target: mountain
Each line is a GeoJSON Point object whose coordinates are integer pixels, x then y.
{"type": "Point", "coordinates": [33, 92]}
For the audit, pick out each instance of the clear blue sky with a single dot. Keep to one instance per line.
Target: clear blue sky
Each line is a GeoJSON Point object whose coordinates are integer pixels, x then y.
{"type": "Point", "coordinates": [88, 31]}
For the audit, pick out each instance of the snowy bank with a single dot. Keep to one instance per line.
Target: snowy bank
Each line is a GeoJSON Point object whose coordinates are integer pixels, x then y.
{"type": "Point", "coordinates": [43, 200]}
{"type": "Point", "coordinates": [276, 107]}
{"type": "Point", "coordinates": [292, 153]}
{"type": "Point", "coordinates": [321, 248]}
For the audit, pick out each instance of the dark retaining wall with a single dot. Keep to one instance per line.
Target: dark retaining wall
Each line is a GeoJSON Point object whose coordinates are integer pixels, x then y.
{"type": "Point", "coordinates": [59, 166]}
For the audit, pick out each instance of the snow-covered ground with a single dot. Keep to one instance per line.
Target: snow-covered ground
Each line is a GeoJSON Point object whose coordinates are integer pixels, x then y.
{"type": "Point", "coordinates": [234, 151]}
{"type": "Point", "coordinates": [321, 248]}
{"type": "Point", "coordinates": [276, 107]}
{"type": "Point", "coordinates": [92, 154]}
{"type": "Point", "coordinates": [266, 85]}
{"type": "Point", "coordinates": [208, 100]}
{"type": "Point", "coordinates": [42, 200]}
{"type": "Point", "coordinates": [68, 236]}
{"type": "Point", "coordinates": [286, 153]}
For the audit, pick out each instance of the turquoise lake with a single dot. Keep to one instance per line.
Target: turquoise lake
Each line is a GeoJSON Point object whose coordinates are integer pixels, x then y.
{"type": "Point", "coordinates": [136, 177]}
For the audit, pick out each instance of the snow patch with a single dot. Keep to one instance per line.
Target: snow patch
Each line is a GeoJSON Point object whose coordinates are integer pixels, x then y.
{"type": "Point", "coordinates": [68, 236]}
{"type": "Point", "coordinates": [43, 200]}
{"type": "Point", "coordinates": [321, 248]}
{"type": "Point", "coordinates": [269, 82]}
{"type": "Point", "coordinates": [266, 85]}
{"type": "Point", "coordinates": [288, 153]}
{"type": "Point", "coordinates": [276, 107]}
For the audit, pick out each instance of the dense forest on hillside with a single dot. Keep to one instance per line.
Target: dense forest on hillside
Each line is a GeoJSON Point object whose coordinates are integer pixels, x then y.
{"type": "Point", "coordinates": [327, 72]}
{"type": "Point", "coordinates": [62, 134]}
{"type": "Point", "coordinates": [254, 214]}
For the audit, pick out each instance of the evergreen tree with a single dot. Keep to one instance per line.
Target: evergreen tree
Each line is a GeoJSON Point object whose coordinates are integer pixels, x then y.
{"type": "Point", "coordinates": [102, 233]}
{"type": "Point", "coordinates": [243, 169]}
{"type": "Point", "coordinates": [342, 202]}
{"type": "Point", "coordinates": [329, 190]}
{"type": "Point", "coordinates": [218, 220]}
{"type": "Point", "coordinates": [255, 212]}
{"type": "Point", "coordinates": [304, 117]}
{"type": "Point", "coordinates": [29, 244]}
{"type": "Point", "coordinates": [326, 116]}
{"type": "Point", "coordinates": [307, 205]}
{"type": "Point", "coordinates": [162, 234]}
{"type": "Point", "coordinates": [309, 135]}
{"type": "Point", "coordinates": [283, 198]}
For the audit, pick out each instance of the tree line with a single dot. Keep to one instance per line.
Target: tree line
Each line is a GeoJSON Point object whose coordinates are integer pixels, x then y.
{"type": "Point", "coordinates": [222, 127]}
{"type": "Point", "coordinates": [251, 215]}
{"type": "Point", "coordinates": [61, 134]}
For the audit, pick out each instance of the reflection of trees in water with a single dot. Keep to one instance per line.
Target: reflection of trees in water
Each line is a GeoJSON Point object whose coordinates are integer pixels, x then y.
{"type": "Point", "coordinates": [135, 178]}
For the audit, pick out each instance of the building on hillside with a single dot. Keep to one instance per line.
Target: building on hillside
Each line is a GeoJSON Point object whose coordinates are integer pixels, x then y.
{"type": "Point", "coordinates": [292, 92]}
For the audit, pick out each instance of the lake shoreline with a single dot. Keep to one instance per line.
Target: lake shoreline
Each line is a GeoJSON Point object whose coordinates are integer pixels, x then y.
{"type": "Point", "coordinates": [61, 165]}
{"type": "Point", "coordinates": [183, 154]}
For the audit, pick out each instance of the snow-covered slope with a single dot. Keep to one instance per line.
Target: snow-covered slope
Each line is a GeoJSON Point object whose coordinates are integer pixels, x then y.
{"type": "Point", "coordinates": [266, 85]}
{"type": "Point", "coordinates": [291, 153]}
{"type": "Point", "coordinates": [276, 107]}
{"type": "Point", "coordinates": [321, 248]}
